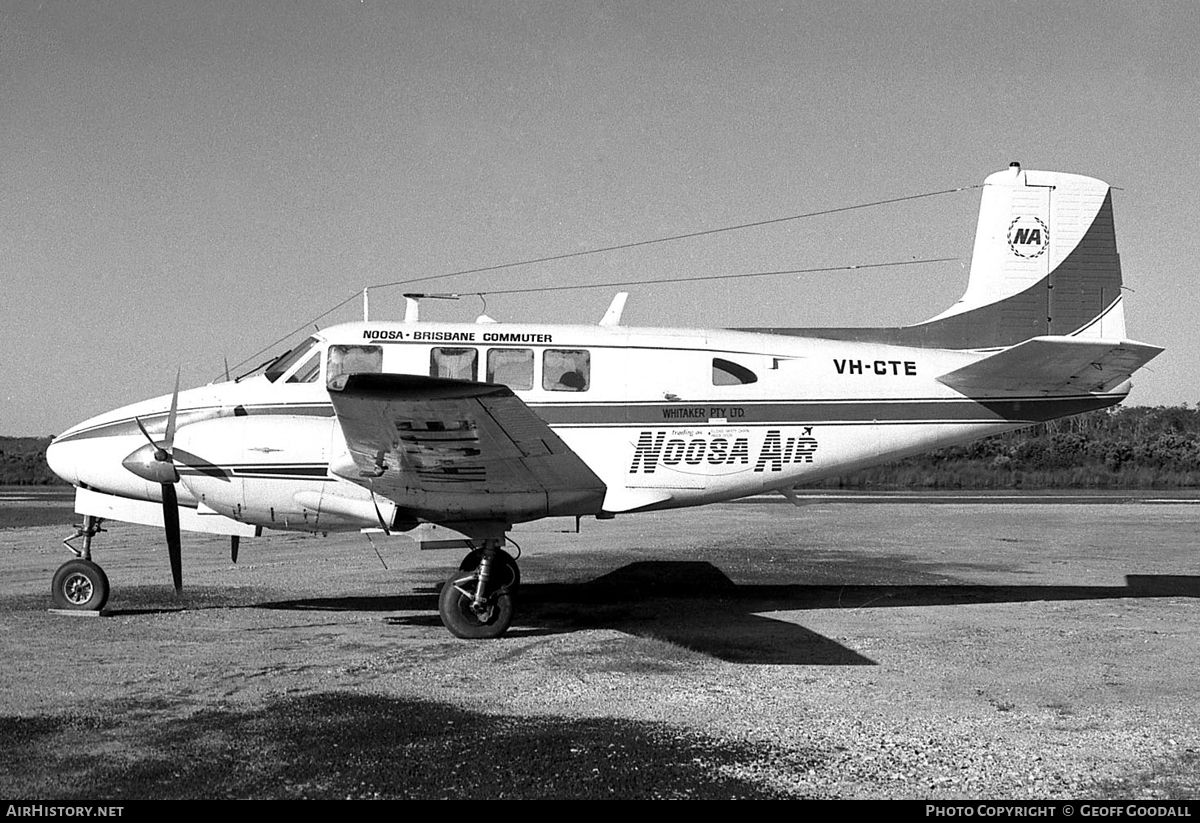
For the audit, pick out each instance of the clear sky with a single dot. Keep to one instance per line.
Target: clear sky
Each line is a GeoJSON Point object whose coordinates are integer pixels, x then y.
{"type": "Point", "coordinates": [183, 183]}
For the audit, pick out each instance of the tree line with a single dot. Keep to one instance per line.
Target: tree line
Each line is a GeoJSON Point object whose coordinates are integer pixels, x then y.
{"type": "Point", "coordinates": [1129, 447]}
{"type": "Point", "coordinates": [23, 462]}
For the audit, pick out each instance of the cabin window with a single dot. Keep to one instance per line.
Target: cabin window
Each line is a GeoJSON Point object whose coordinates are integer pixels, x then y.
{"type": "Point", "coordinates": [454, 364]}
{"type": "Point", "coordinates": [566, 370]}
{"type": "Point", "coordinates": [728, 373]}
{"type": "Point", "coordinates": [308, 371]}
{"type": "Point", "coordinates": [511, 367]}
{"type": "Point", "coordinates": [347, 360]}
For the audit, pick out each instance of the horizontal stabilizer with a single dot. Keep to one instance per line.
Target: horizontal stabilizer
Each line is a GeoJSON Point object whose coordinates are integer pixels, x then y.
{"type": "Point", "coordinates": [1052, 365]}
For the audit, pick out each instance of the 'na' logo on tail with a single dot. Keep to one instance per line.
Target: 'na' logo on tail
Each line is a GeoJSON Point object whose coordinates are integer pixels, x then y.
{"type": "Point", "coordinates": [1028, 236]}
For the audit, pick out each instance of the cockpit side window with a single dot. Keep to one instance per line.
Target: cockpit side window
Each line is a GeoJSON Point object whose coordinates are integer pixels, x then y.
{"type": "Point", "coordinates": [728, 373]}
{"type": "Point", "coordinates": [308, 371]}
{"type": "Point", "coordinates": [347, 360]}
{"type": "Point", "coordinates": [280, 366]}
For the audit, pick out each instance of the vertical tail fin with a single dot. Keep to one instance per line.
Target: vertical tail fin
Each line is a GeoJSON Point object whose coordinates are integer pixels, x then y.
{"type": "Point", "coordinates": [1045, 262]}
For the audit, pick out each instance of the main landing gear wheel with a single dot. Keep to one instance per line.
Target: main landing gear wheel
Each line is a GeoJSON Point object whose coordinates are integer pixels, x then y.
{"type": "Point", "coordinates": [80, 585]}
{"type": "Point", "coordinates": [479, 602]}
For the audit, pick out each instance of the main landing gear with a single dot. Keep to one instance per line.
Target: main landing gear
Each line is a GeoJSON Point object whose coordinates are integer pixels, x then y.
{"type": "Point", "coordinates": [478, 603]}
{"type": "Point", "coordinates": [79, 584]}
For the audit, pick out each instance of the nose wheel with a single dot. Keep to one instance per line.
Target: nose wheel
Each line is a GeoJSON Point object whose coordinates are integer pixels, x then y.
{"type": "Point", "coordinates": [479, 602]}
{"type": "Point", "coordinates": [80, 585]}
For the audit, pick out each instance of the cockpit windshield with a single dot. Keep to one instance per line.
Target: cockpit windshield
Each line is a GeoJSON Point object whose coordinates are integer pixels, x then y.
{"type": "Point", "coordinates": [274, 369]}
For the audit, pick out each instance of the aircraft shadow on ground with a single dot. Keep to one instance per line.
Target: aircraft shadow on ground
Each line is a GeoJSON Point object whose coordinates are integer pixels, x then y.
{"type": "Point", "coordinates": [694, 604]}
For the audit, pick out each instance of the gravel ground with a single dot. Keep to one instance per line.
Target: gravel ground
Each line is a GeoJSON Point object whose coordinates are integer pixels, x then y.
{"type": "Point", "coordinates": [747, 650]}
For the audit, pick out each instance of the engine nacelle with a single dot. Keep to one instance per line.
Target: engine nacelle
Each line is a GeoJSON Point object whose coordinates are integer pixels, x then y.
{"type": "Point", "coordinates": [273, 471]}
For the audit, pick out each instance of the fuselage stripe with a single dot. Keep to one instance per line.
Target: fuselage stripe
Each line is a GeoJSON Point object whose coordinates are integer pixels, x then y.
{"type": "Point", "coordinates": [898, 411]}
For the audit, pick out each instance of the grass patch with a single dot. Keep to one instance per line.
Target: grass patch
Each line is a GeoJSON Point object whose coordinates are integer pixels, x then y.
{"type": "Point", "coordinates": [1176, 778]}
{"type": "Point", "coordinates": [646, 654]}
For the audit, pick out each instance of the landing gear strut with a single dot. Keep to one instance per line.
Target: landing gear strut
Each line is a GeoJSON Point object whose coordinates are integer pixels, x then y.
{"type": "Point", "coordinates": [478, 603]}
{"type": "Point", "coordinates": [79, 584]}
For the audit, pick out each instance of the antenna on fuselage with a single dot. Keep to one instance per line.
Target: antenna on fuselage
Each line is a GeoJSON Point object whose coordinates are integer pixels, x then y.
{"type": "Point", "coordinates": [412, 306]}
{"type": "Point", "coordinates": [366, 306]}
{"type": "Point", "coordinates": [612, 317]}
{"type": "Point", "coordinates": [483, 315]}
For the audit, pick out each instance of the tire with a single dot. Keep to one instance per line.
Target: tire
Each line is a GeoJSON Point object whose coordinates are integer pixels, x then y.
{"type": "Point", "coordinates": [505, 571]}
{"type": "Point", "coordinates": [459, 616]}
{"type": "Point", "coordinates": [80, 585]}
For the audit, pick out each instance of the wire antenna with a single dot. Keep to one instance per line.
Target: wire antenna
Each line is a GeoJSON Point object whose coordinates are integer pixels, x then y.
{"type": "Point", "coordinates": [632, 245]}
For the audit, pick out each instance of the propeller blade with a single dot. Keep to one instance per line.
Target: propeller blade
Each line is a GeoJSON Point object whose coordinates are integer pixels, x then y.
{"type": "Point", "coordinates": [138, 420]}
{"type": "Point", "coordinates": [169, 437]}
{"type": "Point", "coordinates": [171, 522]}
{"type": "Point", "coordinates": [234, 540]}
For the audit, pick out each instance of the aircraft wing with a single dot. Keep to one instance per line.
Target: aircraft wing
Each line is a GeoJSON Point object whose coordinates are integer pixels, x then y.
{"type": "Point", "coordinates": [1052, 365]}
{"type": "Point", "coordinates": [454, 450]}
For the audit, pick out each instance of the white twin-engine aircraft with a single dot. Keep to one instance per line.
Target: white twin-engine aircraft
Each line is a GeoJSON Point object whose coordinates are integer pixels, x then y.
{"type": "Point", "coordinates": [475, 427]}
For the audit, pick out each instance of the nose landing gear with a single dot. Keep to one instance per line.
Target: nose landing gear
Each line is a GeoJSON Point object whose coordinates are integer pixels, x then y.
{"type": "Point", "coordinates": [79, 584]}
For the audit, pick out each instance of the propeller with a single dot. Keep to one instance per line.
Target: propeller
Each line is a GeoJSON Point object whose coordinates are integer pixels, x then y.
{"type": "Point", "coordinates": [156, 463]}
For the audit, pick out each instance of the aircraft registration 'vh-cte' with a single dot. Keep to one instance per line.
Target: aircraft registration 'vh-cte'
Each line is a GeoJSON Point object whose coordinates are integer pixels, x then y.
{"type": "Point", "coordinates": [475, 427]}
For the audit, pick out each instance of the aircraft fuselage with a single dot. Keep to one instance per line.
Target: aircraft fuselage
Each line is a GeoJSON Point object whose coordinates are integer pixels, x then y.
{"type": "Point", "coordinates": [664, 417]}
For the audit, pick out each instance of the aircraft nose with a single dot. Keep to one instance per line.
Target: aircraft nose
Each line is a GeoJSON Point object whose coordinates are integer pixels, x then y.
{"type": "Point", "coordinates": [62, 459]}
